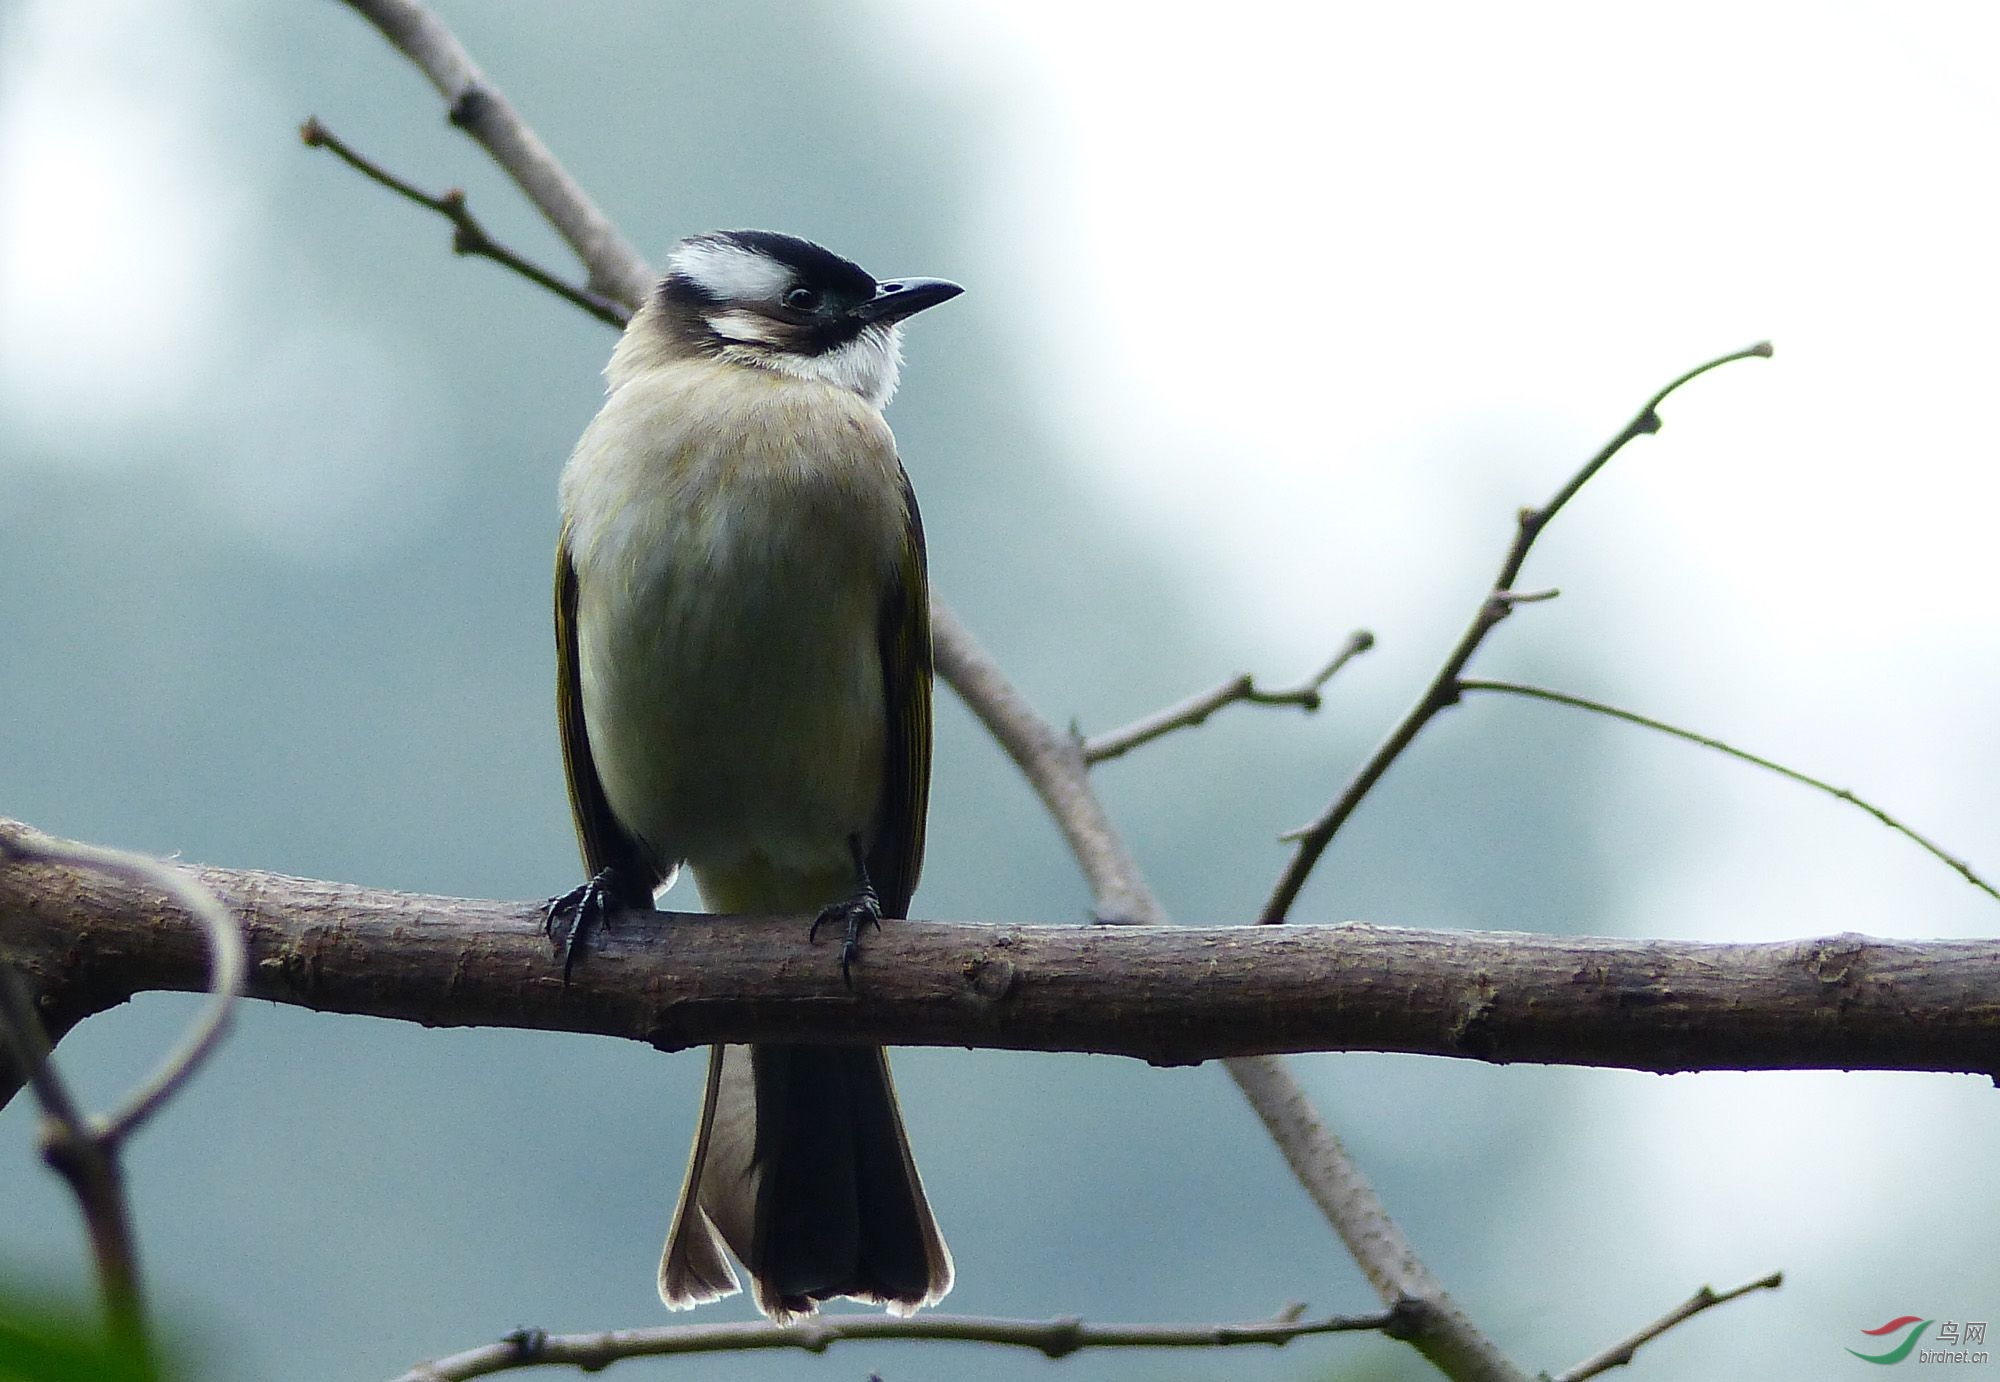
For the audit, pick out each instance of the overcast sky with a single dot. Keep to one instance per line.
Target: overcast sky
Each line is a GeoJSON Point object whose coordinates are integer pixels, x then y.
{"type": "Point", "coordinates": [1313, 297]}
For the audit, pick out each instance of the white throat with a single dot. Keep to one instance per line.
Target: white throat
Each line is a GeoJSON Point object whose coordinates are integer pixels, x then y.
{"type": "Point", "coordinates": [869, 365]}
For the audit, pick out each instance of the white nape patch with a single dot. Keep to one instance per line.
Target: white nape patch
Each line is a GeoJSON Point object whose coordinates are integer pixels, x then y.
{"type": "Point", "coordinates": [869, 365]}
{"type": "Point", "coordinates": [729, 272]}
{"type": "Point", "coordinates": [747, 328]}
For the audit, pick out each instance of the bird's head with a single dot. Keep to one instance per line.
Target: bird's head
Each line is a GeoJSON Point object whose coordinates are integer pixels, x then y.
{"type": "Point", "coordinates": [777, 302]}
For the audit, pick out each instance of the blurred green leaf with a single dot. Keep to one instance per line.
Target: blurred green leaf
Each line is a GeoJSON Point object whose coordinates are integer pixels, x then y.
{"type": "Point", "coordinates": [42, 1343]}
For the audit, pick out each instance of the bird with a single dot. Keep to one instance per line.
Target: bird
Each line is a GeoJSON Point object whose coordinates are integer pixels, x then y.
{"type": "Point", "coordinates": [744, 688]}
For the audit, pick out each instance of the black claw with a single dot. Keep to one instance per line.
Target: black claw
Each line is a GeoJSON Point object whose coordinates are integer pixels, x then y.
{"type": "Point", "coordinates": [586, 905]}
{"type": "Point", "coordinates": [862, 909]}
{"type": "Point", "coordinates": [528, 1344]}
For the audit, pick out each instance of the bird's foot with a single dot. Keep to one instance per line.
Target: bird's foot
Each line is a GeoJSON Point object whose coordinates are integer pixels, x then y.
{"type": "Point", "coordinates": [568, 919]}
{"type": "Point", "coordinates": [862, 909]}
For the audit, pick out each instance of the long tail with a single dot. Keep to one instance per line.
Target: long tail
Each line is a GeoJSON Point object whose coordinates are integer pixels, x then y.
{"type": "Point", "coordinates": [801, 1168]}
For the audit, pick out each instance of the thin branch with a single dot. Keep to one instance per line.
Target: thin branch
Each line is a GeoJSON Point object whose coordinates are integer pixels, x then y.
{"type": "Point", "coordinates": [479, 108]}
{"type": "Point", "coordinates": [28, 1047]}
{"type": "Point", "coordinates": [1058, 1338]}
{"type": "Point", "coordinates": [85, 1150]}
{"type": "Point", "coordinates": [1054, 766]}
{"type": "Point", "coordinates": [224, 941]}
{"type": "Point", "coordinates": [87, 1162]}
{"type": "Point", "coordinates": [1429, 1318]}
{"type": "Point", "coordinates": [468, 235]}
{"type": "Point", "coordinates": [1929, 846]}
{"type": "Point", "coordinates": [1620, 1353]}
{"type": "Point", "coordinates": [1312, 840]}
{"type": "Point", "coordinates": [1186, 714]}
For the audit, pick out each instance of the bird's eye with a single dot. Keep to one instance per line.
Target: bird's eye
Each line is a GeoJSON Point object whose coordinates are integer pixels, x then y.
{"type": "Point", "coordinates": [802, 299]}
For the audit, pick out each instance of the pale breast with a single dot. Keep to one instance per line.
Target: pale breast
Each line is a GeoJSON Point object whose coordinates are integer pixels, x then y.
{"type": "Point", "coordinates": [734, 533]}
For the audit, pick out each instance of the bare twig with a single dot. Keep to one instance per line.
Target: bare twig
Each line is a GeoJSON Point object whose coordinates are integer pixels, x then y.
{"type": "Point", "coordinates": [85, 1150]}
{"type": "Point", "coordinates": [1620, 1353]}
{"type": "Point", "coordinates": [1540, 693]}
{"type": "Point", "coordinates": [1312, 840]}
{"type": "Point", "coordinates": [1058, 1338]}
{"type": "Point", "coordinates": [87, 1163]}
{"type": "Point", "coordinates": [468, 235]}
{"type": "Point", "coordinates": [1098, 748]}
{"type": "Point", "coordinates": [480, 109]}
{"type": "Point", "coordinates": [225, 950]}
{"type": "Point", "coordinates": [27, 1046]}
{"type": "Point", "coordinates": [89, 1166]}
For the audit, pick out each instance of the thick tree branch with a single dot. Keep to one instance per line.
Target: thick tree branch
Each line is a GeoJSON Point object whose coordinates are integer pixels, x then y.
{"type": "Point", "coordinates": [530, 1348]}
{"type": "Point", "coordinates": [1170, 994]}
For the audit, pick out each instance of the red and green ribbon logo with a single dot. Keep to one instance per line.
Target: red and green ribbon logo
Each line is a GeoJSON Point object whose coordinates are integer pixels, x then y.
{"type": "Point", "coordinates": [1900, 1351]}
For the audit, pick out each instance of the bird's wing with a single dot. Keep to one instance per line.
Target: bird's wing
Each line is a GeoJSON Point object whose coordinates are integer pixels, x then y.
{"type": "Point", "coordinates": [605, 843]}
{"type": "Point", "coordinates": [905, 641]}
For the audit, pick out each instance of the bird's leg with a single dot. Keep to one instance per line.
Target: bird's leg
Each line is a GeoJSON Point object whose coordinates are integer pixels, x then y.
{"type": "Point", "coordinates": [585, 906]}
{"type": "Point", "coordinates": [862, 909]}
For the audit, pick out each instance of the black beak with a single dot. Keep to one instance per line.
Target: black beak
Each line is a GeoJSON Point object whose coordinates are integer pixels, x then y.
{"type": "Point", "coordinates": [904, 297]}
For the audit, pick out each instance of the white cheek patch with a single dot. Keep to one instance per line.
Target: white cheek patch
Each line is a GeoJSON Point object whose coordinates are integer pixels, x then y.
{"type": "Point", "coordinates": [728, 272]}
{"type": "Point", "coordinates": [745, 328]}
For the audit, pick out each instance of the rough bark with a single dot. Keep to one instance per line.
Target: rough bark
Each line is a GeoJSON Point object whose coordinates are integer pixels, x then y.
{"type": "Point", "coordinates": [1169, 995]}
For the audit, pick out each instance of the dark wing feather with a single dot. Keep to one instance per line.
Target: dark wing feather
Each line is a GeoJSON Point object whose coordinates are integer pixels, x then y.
{"type": "Point", "coordinates": [905, 640]}
{"type": "Point", "coordinates": [605, 843]}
